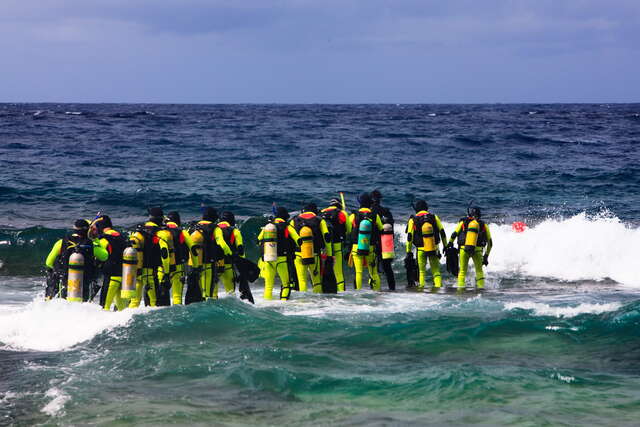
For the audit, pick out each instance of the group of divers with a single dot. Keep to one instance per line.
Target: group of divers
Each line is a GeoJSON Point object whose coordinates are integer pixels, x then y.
{"type": "Point", "coordinates": [155, 261]}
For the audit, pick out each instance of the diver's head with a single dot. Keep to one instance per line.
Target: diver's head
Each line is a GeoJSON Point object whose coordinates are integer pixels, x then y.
{"type": "Point", "coordinates": [310, 207]}
{"type": "Point", "coordinates": [229, 217]}
{"type": "Point", "coordinates": [282, 213]}
{"type": "Point", "coordinates": [421, 205]}
{"type": "Point", "coordinates": [475, 212]}
{"type": "Point", "coordinates": [365, 200]}
{"type": "Point", "coordinates": [209, 214]}
{"type": "Point", "coordinates": [156, 215]}
{"type": "Point", "coordinates": [174, 216]}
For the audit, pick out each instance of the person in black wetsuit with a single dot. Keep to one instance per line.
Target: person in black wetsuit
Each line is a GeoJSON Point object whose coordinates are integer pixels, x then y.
{"type": "Point", "coordinates": [387, 218]}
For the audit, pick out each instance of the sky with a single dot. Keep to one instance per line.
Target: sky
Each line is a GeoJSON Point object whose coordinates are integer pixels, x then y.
{"type": "Point", "coordinates": [320, 51]}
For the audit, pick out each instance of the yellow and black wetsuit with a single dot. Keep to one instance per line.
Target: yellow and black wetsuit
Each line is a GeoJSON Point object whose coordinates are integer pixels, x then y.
{"type": "Point", "coordinates": [204, 255]}
{"type": "Point", "coordinates": [359, 261]}
{"type": "Point", "coordinates": [153, 258]}
{"type": "Point", "coordinates": [229, 240]}
{"type": "Point", "coordinates": [182, 247]}
{"type": "Point", "coordinates": [415, 238]}
{"type": "Point", "coordinates": [321, 238]}
{"type": "Point", "coordinates": [114, 243]}
{"type": "Point", "coordinates": [337, 219]}
{"type": "Point", "coordinates": [286, 243]}
{"type": "Point", "coordinates": [477, 253]}
{"type": "Point", "coordinates": [58, 261]}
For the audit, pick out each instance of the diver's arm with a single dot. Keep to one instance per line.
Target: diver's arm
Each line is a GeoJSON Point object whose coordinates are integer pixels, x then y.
{"type": "Point", "coordinates": [293, 234]}
{"type": "Point", "coordinates": [489, 240]}
{"type": "Point", "coordinates": [443, 234]}
{"type": "Point", "coordinates": [165, 258]}
{"type": "Point", "coordinates": [326, 237]}
{"type": "Point", "coordinates": [409, 234]}
{"type": "Point", "coordinates": [54, 254]}
{"type": "Point", "coordinates": [239, 242]}
{"type": "Point", "coordinates": [455, 233]}
{"type": "Point", "coordinates": [196, 252]}
{"type": "Point", "coordinates": [220, 241]}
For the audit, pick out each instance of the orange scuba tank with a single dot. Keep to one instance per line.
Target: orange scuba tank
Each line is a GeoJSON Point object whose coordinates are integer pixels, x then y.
{"type": "Point", "coordinates": [75, 277]}
{"type": "Point", "coordinates": [306, 247]}
{"type": "Point", "coordinates": [129, 272]}
{"type": "Point", "coordinates": [270, 243]}
{"type": "Point", "coordinates": [471, 238]}
{"type": "Point", "coordinates": [386, 242]}
{"type": "Point", "coordinates": [428, 239]}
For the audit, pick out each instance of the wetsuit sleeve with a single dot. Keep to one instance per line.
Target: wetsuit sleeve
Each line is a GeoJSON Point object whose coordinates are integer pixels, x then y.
{"type": "Point", "coordinates": [379, 223]}
{"type": "Point", "coordinates": [409, 234]}
{"type": "Point", "coordinates": [455, 233]}
{"type": "Point", "coordinates": [239, 243]}
{"type": "Point", "coordinates": [261, 235]}
{"type": "Point", "coordinates": [489, 240]}
{"type": "Point", "coordinates": [443, 234]}
{"type": "Point", "coordinates": [187, 239]}
{"type": "Point", "coordinates": [344, 218]}
{"type": "Point", "coordinates": [293, 234]}
{"type": "Point", "coordinates": [195, 254]}
{"type": "Point", "coordinates": [220, 241]}
{"type": "Point", "coordinates": [164, 252]}
{"type": "Point", "coordinates": [100, 253]}
{"type": "Point", "coordinates": [326, 236]}
{"type": "Point", "coordinates": [54, 254]}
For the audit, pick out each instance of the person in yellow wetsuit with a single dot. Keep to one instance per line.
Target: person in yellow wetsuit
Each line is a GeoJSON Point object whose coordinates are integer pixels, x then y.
{"type": "Point", "coordinates": [321, 237]}
{"type": "Point", "coordinates": [229, 240]}
{"type": "Point", "coordinates": [286, 240]}
{"type": "Point", "coordinates": [362, 256]}
{"type": "Point", "coordinates": [339, 226]}
{"type": "Point", "coordinates": [182, 247]}
{"type": "Point", "coordinates": [474, 241]}
{"type": "Point", "coordinates": [153, 258]}
{"type": "Point", "coordinates": [114, 243]}
{"type": "Point", "coordinates": [426, 245]}
{"type": "Point", "coordinates": [57, 262]}
{"type": "Point", "coordinates": [205, 252]}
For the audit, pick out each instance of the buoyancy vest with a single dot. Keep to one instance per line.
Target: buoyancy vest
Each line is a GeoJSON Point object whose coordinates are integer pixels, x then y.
{"type": "Point", "coordinates": [482, 234]}
{"type": "Point", "coordinates": [312, 222]}
{"type": "Point", "coordinates": [229, 236]}
{"type": "Point", "coordinates": [116, 247]}
{"type": "Point", "coordinates": [284, 245]}
{"type": "Point", "coordinates": [211, 252]}
{"type": "Point", "coordinates": [418, 221]}
{"type": "Point", "coordinates": [338, 230]}
{"type": "Point", "coordinates": [151, 256]}
{"type": "Point", "coordinates": [180, 248]}
{"type": "Point", "coordinates": [355, 227]}
{"type": "Point", "coordinates": [74, 242]}
{"type": "Point", "coordinates": [383, 213]}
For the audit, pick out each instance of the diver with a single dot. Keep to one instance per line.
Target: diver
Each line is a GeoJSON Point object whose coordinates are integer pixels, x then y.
{"type": "Point", "coordinates": [229, 240]}
{"type": "Point", "coordinates": [278, 241]}
{"type": "Point", "coordinates": [365, 233]}
{"type": "Point", "coordinates": [182, 248]}
{"type": "Point", "coordinates": [384, 257]}
{"type": "Point", "coordinates": [57, 263]}
{"type": "Point", "coordinates": [425, 232]}
{"type": "Point", "coordinates": [336, 218]}
{"type": "Point", "coordinates": [473, 236]}
{"type": "Point", "coordinates": [153, 258]}
{"type": "Point", "coordinates": [205, 253]}
{"type": "Point", "coordinates": [114, 243]}
{"type": "Point", "coordinates": [314, 237]}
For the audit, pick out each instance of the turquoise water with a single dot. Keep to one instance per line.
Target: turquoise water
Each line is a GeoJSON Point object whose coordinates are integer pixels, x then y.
{"type": "Point", "coordinates": [553, 340]}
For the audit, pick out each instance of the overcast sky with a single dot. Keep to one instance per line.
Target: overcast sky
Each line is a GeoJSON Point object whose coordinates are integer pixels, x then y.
{"type": "Point", "coordinates": [320, 51]}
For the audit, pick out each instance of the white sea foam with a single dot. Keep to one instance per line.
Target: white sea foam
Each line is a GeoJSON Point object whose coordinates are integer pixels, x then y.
{"type": "Point", "coordinates": [56, 325]}
{"type": "Point", "coordinates": [58, 399]}
{"type": "Point", "coordinates": [542, 309]}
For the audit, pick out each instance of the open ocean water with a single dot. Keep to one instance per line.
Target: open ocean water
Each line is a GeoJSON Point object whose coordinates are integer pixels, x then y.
{"type": "Point", "coordinates": [554, 340]}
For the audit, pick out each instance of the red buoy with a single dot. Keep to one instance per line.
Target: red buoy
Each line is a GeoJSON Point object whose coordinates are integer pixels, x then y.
{"type": "Point", "coordinates": [518, 226]}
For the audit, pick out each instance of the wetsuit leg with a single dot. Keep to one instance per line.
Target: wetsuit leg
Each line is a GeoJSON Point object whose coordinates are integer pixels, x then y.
{"type": "Point", "coordinates": [177, 284]}
{"type": "Point", "coordinates": [358, 264]}
{"type": "Point", "coordinates": [464, 264]}
{"type": "Point", "coordinates": [337, 266]}
{"type": "Point", "coordinates": [374, 277]}
{"type": "Point", "coordinates": [206, 281]}
{"type": "Point", "coordinates": [301, 271]}
{"type": "Point", "coordinates": [144, 281]}
{"type": "Point", "coordinates": [113, 293]}
{"type": "Point", "coordinates": [434, 263]}
{"type": "Point", "coordinates": [283, 273]}
{"type": "Point", "coordinates": [477, 262]}
{"type": "Point", "coordinates": [227, 279]}
{"type": "Point", "coordinates": [422, 269]}
{"type": "Point", "coordinates": [388, 272]}
{"type": "Point", "coordinates": [269, 274]}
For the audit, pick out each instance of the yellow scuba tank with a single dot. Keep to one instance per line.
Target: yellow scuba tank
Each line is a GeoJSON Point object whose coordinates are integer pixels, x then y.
{"type": "Point", "coordinates": [129, 272]}
{"type": "Point", "coordinates": [271, 243]}
{"type": "Point", "coordinates": [306, 247]}
{"type": "Point", "coordinates": [471, 238]}
{"type": "Point", "coordinates": [75, 277]}
{"type": "Point", "coordinates": [428, 239]}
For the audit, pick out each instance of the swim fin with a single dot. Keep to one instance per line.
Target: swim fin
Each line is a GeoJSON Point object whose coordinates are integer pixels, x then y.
{"type": "Point", "coordinates": [453, 265]}
{"type": "Point", "coordinates": [247, 272]}
{"type": "Point", "coordinates": [163, 292]}
{"type": "Point", "coordinates": [194, 293]}
{"type": "Point", "coordinates": [412, 270]}
{"type": "Point", "coordinates": [329, 282]}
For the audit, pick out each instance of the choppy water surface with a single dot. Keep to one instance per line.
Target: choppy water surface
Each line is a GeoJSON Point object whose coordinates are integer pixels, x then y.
{"type": "Point", "coordinates": [554, 338]}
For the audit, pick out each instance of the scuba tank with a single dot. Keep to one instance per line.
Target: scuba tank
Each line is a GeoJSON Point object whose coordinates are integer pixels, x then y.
{"type": "Point", "coordinates": [364, 237]}
{"type": "Point", "coordinates": [129, 272]}
{"type": "Point", "coordinates": [306, 247]}
{"type": "Point", "coordinates": [386, 240]}
{"type": "Point", "coordinates": [270, 243]}
{"type": "Point", "coordinates": [471, 238]}
{"type": "Point", "coordinates": [75, 276]}
{"type": "Point", "coordinates": [428, 239]}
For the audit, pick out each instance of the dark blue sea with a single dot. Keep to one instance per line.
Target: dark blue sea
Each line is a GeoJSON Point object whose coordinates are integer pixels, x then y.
{"type": "Point", "coordinates": [553, 340]}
